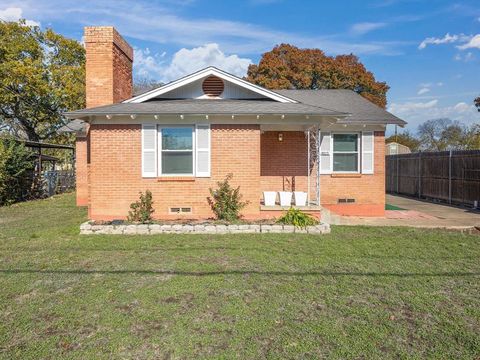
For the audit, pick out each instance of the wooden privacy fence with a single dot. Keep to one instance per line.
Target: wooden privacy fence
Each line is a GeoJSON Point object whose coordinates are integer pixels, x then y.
{"type": "Point", "coordinates": [449, 176]}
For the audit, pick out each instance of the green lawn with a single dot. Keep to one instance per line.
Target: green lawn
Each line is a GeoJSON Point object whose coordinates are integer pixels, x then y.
{"type": "Point", "coordinates": [361, 293]}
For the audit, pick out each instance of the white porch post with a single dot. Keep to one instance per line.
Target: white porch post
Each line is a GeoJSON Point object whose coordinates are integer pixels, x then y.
{"type": "Point", "coordinates": [319, 142]}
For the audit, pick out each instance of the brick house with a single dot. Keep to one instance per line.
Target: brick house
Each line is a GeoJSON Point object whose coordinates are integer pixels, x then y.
{"type": "Point", "coordinates": [180, 139]}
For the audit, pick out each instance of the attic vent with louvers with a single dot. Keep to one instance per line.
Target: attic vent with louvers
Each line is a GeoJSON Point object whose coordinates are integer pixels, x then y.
{"type": "Point", "coordinates": [213, 86]}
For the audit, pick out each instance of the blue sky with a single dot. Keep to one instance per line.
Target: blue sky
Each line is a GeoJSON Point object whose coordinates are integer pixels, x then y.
{"type": "Point", "coordinates": [427, 51]}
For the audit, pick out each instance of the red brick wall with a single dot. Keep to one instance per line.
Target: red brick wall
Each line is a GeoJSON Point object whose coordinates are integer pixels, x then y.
{"type": "Point", "coordinates": [81, 176]}
{"type": "Point", "coordinates": [115, 172]}
{"type": "Point", "coordinates": [258, 162]}
{"type": "Point", "coordinates": [367, 190]}
{"type": "Point", "coordinates": [283, 161]}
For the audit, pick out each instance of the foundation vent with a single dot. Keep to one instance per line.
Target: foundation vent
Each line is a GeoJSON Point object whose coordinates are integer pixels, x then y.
{"type": "Point", "coordinates": [346, 201]}
{"type": "Point", "coordinates": [180, 210]}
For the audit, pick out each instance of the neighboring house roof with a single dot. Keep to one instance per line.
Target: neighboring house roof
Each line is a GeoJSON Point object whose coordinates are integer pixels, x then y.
{"type": "Point", "coordinates": [347, 101]}
{"type": "Point", "coordinates": [203, 106]}
{"type": "Point", "coordinates": [394, 148]}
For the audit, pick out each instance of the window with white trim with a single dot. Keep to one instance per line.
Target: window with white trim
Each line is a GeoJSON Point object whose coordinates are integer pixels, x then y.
{"type": "Point", "coordinates": [176, 147]}
{"type": "Point", "coordinates": [346, 158]}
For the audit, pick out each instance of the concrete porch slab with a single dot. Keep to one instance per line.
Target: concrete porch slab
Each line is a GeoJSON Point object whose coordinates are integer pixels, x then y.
{"type": "Point", "coordinates": [417, 213]}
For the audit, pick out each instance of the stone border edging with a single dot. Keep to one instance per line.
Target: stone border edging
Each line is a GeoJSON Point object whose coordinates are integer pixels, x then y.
{"type": "Point", "coordinates": [153, 229]}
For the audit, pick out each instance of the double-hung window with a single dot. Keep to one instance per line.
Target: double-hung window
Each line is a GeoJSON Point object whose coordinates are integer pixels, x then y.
{"type": "Point", "coordinates": [176, 147]}
{"type": "Point", "coordinates": [346, 152]}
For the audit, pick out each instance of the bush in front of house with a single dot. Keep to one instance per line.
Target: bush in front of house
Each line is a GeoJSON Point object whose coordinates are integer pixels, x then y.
{"type": "Point", "coordinates": [16, 167]}
{"type": "Point", "coordinates": [297, 218]}
{"type": "Point", "coordinates": [226, 201]}
{"type": "Point", "coordinates": [142, 210]}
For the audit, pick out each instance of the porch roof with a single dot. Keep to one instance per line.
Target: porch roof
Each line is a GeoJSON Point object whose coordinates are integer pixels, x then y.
{"type": "Point", "coordinates": [208, 107]}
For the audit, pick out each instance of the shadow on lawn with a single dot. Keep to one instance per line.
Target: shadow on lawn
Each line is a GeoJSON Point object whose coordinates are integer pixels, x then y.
{"type": "Point", "coordinates": [237, 272]}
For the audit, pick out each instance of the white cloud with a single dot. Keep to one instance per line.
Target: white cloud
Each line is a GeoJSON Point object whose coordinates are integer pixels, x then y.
{"type": "Point", "coordinates": [466, 58]}
{"type": "Point", "coordinates": [423, 90]}
{"type": "Point", "coordinates": [185, 61]}
{"type": "Point", "coordinates": [409, 107]}
{"type": "Point", "coordinates": [437, 41]}
{"type": "Point", "coordinates": [416, 113]}
{"type": "Point", "coordinates": [467, 42]}
{"type": "Point", "coordinates": [427, 87]}
{"type": "Point", "coordinates": [15, 14]}
{"type": "Point", "coordinates": [473, 43]}
{"type": "Point", "coordinates": [462, 107]}
{"type": "Point", "coordinates": [146, 64]}
{"type": "Point", "coordinates": [365, 27]}
{"type": "Point", "coordinates": [161, 23]}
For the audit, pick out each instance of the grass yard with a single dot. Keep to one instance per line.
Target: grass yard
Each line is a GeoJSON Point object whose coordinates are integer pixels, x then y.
{"type": "Point", "coordinates": [358, 293]}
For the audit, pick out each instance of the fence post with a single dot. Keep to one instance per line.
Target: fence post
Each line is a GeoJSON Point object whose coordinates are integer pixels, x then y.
{"type": "Point", "coordinates": [419, 174]}
{"type": "Point", "coordinates": [396, 157]}
{"type": "Point", "coordinates": [450, 177]}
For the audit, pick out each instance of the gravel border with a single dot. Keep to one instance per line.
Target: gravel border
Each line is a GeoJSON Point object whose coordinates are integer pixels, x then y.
{"type": "Point", "coordinates": [88, 228]}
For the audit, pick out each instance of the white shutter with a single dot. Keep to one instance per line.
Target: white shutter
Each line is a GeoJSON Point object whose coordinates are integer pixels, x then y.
{"type": "Point", "coordinates": [202, 143]}
{"type": "Point", "coordinates": [367, 152]}
{"type": "Point", "coordinates": [149, 150]}
{"type": "Point", "coordinates": [325, 153]}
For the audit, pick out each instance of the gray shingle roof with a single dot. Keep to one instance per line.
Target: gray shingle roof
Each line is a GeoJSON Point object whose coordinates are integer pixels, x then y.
{"type": "Point", "coordinates": [196, 106]}
{"type": "Point", "coordinates": [72, 126]}
{"type": "Point", "coordinates": [349, 106]}
{"type": "Point", "coordinates": [348, 101]}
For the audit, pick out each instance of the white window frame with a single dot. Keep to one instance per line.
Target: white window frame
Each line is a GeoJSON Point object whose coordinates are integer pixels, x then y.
{"type": "Point", "coordinates": [358, 152]}
{"type": "Point", "coordinates": [160, 150]}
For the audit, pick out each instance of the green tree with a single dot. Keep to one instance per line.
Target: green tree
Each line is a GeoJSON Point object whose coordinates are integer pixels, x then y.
{"type": "Point", "coordinates": [142, 85]}
{"type": "Point", "coordinates": [473, 137]}
{"type": "Point", "coordinates": [477, 103]}
{"type": "Point", "coordinates": [445, 134]}
{"type": "Point", "coordinates": [288, 67]}
{"type": "Point", "coordinates": [42, 75]}
{"type": "Point", "coordinates": [16, 166]}
{"type": "Point", "coordinates": [405, 138]}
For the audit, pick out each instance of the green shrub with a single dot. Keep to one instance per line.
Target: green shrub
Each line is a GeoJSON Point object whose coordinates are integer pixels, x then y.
{"type": "Point", "coordinates": [16, 169]}
{"type": "Point", "coordinates": [297, 218]}
{"type": "Point", "coordinates": [225, 201]}
{"type": "Point", "coordinates": [142, 210]}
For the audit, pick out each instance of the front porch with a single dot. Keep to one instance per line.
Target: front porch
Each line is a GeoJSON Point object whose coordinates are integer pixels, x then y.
{"type": "Point", "coordinates": [288, 165]}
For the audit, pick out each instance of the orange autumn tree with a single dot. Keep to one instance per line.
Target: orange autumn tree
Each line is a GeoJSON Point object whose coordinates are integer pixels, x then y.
{"type": "Point", "coordinates": [288, 67]}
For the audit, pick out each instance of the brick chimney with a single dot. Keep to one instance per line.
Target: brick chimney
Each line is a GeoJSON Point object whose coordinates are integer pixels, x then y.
{"type": "Point", "coordinates": [109, 61]}
{"type": "Point", "coordinates": [108, 80]}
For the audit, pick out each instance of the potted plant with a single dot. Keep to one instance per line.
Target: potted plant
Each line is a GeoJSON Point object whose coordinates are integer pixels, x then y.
{"type": "Point", "coordinates": [285, 198]}
{"type": "Point", "coordinates": [300, 198]}
{"type": "Point", "coordinates": [269, 198]}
